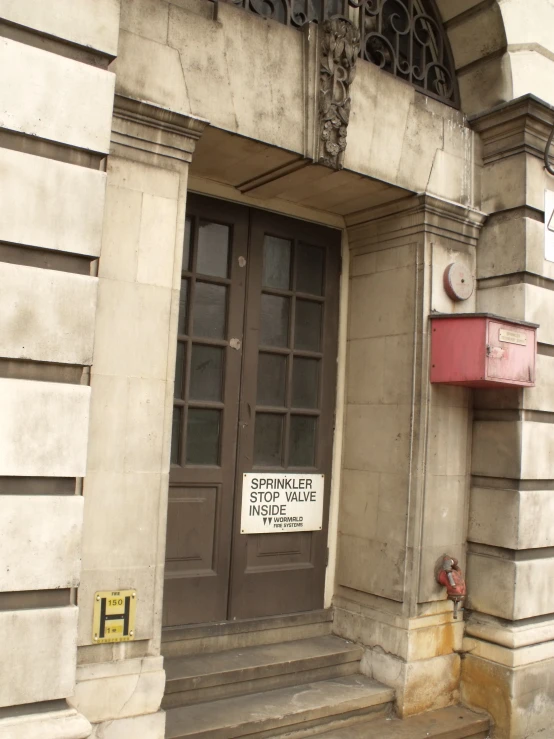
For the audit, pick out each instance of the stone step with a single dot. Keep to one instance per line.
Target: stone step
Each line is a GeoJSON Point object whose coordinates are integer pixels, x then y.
{"type": "Point", "coordinates": [447, 723]}
{"type": "Point", "coordinates": [296, 711]}
{"type": "Point", "coordinates": [216, 637]}
{"type": "Point", "coordinates": [203, 677]}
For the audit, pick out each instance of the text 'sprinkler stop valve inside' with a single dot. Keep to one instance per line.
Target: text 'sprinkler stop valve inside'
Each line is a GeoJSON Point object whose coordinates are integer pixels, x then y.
{"type": "Point", "coordinates": [449, 574]}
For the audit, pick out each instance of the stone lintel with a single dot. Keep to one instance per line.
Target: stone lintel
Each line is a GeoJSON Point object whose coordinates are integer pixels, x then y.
{"type": "Point", "coordinates": [525, 524]}
{"type": "Point", "coordinates": [508, 553]}
{"type": "Point", "coordinates": [520, 126]}
{"type": "Point", "coordinates": [422, 637]}
{"type": "Point", "coordinates": [506, 656]}
{"type": "Point", "coordinates": [511, 635]}
{"type": "Point", "coordinates": [393, 613]}
{"type": "Point", "coordinates": [154, 135]}
{"type": "Point", "coordinates": [109, 691]}
{"type": "Point", "coordinates": [416, 656]}
{"type": "Point", "coordinates": [512, 589]}
{"type": "Point", "coordinates": [48, 724]}
{"type": "Point", "coordinates": [414, 215]}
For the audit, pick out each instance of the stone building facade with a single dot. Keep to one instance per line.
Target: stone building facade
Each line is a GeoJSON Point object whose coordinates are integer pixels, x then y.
{"type": "Point", "coordinates": [149, 142]}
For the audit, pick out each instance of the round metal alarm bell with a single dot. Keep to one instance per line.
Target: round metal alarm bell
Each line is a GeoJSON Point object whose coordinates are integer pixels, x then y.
{"type": "Point", "coordinates": [458, 281]}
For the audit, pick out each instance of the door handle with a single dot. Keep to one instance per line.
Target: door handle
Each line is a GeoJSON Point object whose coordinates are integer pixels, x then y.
{"type": "Point", "coordinates": [246, 414]}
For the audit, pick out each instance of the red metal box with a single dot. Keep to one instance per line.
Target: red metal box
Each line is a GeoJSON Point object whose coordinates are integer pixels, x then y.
{"type": "Point", "coordinates": [482, 350]}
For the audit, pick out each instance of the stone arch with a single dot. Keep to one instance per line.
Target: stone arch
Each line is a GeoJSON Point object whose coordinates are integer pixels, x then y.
{"type": "Point", "coordinates": [502, 49]}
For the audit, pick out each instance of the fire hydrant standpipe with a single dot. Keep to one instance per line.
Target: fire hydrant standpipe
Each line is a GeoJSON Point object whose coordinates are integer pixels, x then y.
{"type": "Point", "coordinates": [449, 574]}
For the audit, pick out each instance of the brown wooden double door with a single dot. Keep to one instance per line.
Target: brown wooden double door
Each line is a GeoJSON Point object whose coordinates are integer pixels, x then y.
{"type": "Point", "coordinates": [254, 390]}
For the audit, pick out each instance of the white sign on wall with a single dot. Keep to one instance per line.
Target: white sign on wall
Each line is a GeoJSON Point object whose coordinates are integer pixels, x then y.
{"type": "Point", "coordinates": [279, 502]}
{"type": "Point", "coordinates": [549, 225]}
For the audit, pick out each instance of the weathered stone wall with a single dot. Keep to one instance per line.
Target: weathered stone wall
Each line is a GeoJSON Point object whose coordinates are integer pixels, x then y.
{"type": "Point", "coordinates": [502, 49]}
{"type": "Point", "coordinates": [255, 78]}
{"type": "Point", "coordinates": [69, 323]}
{"type": "Point", "coordinates": [405, 484]}
{"type": "Point", "coordinates": [404, 490]}
{"type": "Point", "coordinates": [56, 100]}
{"type": "Point", "coordinates": [510, 650]}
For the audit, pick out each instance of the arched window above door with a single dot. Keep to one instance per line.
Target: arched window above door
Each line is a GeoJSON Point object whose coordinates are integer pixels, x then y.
{"type": "Point", "coordinates": [407, 39]}
{"type": "Point", "coordinates": [403, 37]}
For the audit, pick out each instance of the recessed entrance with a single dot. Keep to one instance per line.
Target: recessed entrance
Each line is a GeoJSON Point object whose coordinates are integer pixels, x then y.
{"type": "Point", "coordinates": [254, 391]}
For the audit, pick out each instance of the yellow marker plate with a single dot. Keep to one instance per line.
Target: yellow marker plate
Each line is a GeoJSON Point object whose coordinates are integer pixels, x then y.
{"type": "Point", "coordinates": [114, 616]}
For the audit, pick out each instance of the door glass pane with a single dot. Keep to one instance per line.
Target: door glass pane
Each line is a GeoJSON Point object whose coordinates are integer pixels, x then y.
{"type": "Point", "coordinates": [183, 305]}
{"type": "Point", "coordinates": [210, 310]}
{"type": "Point", "coordinates": [176, 435]}
{"type": "Point", "coordinates": [305, 383]}
{"type": "Point", "coordinates": [276, 262]}
{"type": "Point", "coordinates": [180, 370]}
{"type": "Point", "coordinates": [307, 334]}
{"type": "Point", "coordinates": [213, 249]}
{"type": "Point", "coordinates": [203, 436]}
{"type": "Point", "coordinates": [302, 441]}
{"type": "Point", "coordinates": [186, 244]}
{"type": "Point", "coordinates": [275, 321]}
{"type": "Point", "coordinates": [206, 371]}
{"type": "Point", "coordinates": [309, 265]}
{"type": "Point", "coordinates": [268, 440]}
{"type": "Point", "coordinates": [272, 370]}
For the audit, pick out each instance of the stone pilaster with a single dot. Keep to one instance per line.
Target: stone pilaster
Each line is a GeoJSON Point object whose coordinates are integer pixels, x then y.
{"type": "Point", "coordinates": [509, 644]}
{"type": "Point", "coordinates": [405, 478]}
{"type": "Point", "coordinates": [139, 273]}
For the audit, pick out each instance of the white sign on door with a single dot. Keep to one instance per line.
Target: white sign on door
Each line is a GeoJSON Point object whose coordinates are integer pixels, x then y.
{"type": "Point", "coordinates": [278, 502]}
{"type": "Point", "coordinates": [549, 225]}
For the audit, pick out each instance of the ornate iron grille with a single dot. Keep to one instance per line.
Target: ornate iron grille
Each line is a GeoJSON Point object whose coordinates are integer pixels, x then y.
{"type": "Point", "coordinates": [403, 37]}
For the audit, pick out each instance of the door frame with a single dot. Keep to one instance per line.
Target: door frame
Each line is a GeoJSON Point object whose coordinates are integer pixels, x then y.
{"type": "Point", "coordinates": [225, 193]}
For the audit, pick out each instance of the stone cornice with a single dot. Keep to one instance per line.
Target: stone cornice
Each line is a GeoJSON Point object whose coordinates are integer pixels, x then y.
{"type": "Point", "coordinates": [152, 134]}
{"type": "Point", "coordinates": [520, 126]}
{"type": "Point", "coordinates": [413, 216]}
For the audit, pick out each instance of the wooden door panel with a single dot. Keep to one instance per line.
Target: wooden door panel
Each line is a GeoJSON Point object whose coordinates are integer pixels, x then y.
{"type": "Point", "coordinates": [259, 593]}
{"type": "Point", "coordinates": [207, 386]}
{"type": "Point", "coordinates": [192, 600]}
{"type": "Point", "coordinates": [278, 550]}
{"type": "Point", "coordinates": [287, 405]}
{"type": "Point", "coordinates": [191, 529]}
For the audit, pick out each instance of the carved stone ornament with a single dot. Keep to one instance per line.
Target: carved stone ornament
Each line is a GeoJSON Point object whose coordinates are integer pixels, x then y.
{"type": "Point", "coordinates": [340, 46]}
